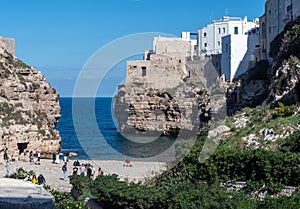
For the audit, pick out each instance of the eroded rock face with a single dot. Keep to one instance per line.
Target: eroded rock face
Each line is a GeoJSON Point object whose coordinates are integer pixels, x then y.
{"type": "Point", "coordinates": [167, 96]}
{"type": "Point", "coordinates": [29, 110]}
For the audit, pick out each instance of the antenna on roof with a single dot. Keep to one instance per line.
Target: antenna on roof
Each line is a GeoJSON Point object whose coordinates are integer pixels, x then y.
{"type": "Point", "coordinates": [211, 17]}
{"type": "Point", "coordinates": [226, 12]}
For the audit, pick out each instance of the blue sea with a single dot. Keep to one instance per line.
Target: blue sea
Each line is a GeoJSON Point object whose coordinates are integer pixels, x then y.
{"type": "Point", "coordinates": [87, 127]}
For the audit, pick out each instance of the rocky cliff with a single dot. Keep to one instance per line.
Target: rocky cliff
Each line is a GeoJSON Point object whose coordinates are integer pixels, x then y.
{"type": "Point", "coordinates": [166, 95]}
{"type": "Point", "coordinates": [29, 110]}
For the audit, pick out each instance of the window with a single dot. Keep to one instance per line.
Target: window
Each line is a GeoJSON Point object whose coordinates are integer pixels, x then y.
{"type": "Point", "coordinates": [205, 44]}
{"type": "Point", "coordinates": [219, 30]}
{"type": "Point", "coordinates": [224, 30]}
{"type": "Point", "coordinates": [144, 71]}
{"type": "Point", "coordinates": [270, 30]}
{"type": "Point", "coordinates": [226, 47]}
{"type": "Point", "coordinates": [219, 43]}
{"type": "Point", "coordinates": [204, 34]}
{"type": "Point", "coordinates": [236, 30]}
{"type": "Point", "coordinates": [269, 12]}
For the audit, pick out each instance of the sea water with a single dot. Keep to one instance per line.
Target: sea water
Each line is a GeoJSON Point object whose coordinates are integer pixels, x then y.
{"type": "Point", "coordinates": [88, 128]}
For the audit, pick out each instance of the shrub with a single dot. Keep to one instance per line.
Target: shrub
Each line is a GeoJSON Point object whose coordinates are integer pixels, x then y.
{"type": "Point", "coordinates": [282, 110]}
{"type": "Point", "coordinates": [21, 173]}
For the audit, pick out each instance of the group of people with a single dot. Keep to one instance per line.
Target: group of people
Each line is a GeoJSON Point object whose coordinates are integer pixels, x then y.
{"type": "Point", "coordinates": [55, 157]}
{"type": "Point", "coordinates": [85, 169]}
{"type": "Point", "coordinates": [35, 157]}
{"type": "Point", "coordinates": [40, 180]}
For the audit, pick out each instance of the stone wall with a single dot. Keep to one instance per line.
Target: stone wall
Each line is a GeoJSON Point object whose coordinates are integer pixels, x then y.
{"type": "Point", "coordinates": [175, 47]}
{"type": "Point", "coordinates": [155, 71]}
{"type": "Point", "coordinates": [8, 44]}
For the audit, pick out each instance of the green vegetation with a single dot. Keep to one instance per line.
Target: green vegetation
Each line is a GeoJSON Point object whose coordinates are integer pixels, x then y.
{"type": "Point", "coordinates": [63, 200]}
{"type": "Point", "coordinates": [21, 173]}
{"type": "Point", "coordinates": [282, 110]}
{"type": "Point", "coordinates": [191, 184]}
{"type": "Point", "coordinates": [21, 64]}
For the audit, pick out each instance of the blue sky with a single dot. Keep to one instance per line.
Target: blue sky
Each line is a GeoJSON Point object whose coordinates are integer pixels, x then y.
{"type": "Point", "coordinates": [59, 36]}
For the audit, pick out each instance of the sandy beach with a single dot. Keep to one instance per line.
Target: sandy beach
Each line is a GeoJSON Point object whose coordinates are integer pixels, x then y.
{"type": "Point", "coordinates": [137, 171]}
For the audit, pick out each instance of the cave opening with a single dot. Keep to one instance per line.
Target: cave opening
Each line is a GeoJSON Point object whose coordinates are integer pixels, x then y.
{"type": "Point", "coordinates": [22, 147]}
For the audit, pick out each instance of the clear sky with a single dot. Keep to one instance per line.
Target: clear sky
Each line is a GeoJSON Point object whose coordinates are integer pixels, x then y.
{"type": "Point", "coordinates": [58, 36]}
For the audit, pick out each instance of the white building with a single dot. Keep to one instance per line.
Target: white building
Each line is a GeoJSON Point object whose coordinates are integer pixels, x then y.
{"type": "Point", "coordinates": [239, 52]}
{"type": "Point", "coordinates": [277, 14]}
{"type": "Point", "coordinates": [210, 37]}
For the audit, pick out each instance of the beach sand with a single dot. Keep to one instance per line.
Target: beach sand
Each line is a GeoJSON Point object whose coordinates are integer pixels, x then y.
{"type": "Point", "coordinates": [137, 171]}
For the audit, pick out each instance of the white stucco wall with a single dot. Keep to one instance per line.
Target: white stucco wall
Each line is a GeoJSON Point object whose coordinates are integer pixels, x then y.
{"type": "Point", "coordinates": [218, 29]}
{"type": "Point", "coordinates": [238, 51]}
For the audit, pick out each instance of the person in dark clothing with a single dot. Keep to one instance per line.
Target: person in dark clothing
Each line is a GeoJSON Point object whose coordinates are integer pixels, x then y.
{"type": "Point", "coordinates": [5, 156]}
{"type": "Point", "coordinates": [76, 163]}
{"type": "Point", "coordinates": [53, 157]}
{"type": "Point", "coordinates": [65, 171]}
{"type": "Point", "coordinates": [89, 172]}
{"type": "Point", "coordinates": [41, 179]}
{"type": "Point", "coordinates": [75, 170]}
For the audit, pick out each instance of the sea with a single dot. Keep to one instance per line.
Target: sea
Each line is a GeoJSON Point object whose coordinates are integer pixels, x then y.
{"type": "Point", "coordinates": [87, 127]}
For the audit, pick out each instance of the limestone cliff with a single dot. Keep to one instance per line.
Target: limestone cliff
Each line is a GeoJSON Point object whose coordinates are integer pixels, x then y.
{"type": "Point", "coordinates": [167, 95]}
{"type": "Point", "coordinates": [29, 110]}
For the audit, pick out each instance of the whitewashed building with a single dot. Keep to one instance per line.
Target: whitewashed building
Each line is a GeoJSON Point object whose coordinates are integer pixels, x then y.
{"type": "Point", "coordinates": [239, 52]}
{"type": "Point", "coordinates": [210, 37]}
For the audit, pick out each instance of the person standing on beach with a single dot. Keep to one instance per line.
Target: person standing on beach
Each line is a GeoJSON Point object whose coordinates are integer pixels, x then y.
{"type": "Point", "coordinates": [53, 157]}
{"type": "Point", "coordinates": [99, 171]}
{"type": "Point", "coordinates": [31, 157]}
{"type": "Point", "coordinates": [57, 158]}
{"type": "Point", "coordinates": [34, 179]}
{"type": "Point", "coordinates": [66, 156]}
{"type": "Point", "coordinates": [41, 180]}
{"type": "Point", "coordinates": [38, 162]}
{"type": "Point", "coordinates": [89, 171]}
{"type": "Point", "coordinates": [75, 170]}
{"type": "Point", "coordinates": [82, 170]}
{"type": "Point", "coordinates": [7, 168]}
{"type": "Point", "coordinates": [65, 170]}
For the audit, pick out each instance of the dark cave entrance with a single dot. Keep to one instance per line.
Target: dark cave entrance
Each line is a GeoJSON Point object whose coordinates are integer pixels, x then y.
{"type": "Point", "coordinates": [22, 147]}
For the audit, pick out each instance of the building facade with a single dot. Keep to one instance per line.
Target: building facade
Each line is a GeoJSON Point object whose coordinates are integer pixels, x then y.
{"type": "Point", "coordinates": [210, 37]}
{"type": "Point", "coordinates": [239, 53]}
{"type": "Point", "coordinates": [277, 14]}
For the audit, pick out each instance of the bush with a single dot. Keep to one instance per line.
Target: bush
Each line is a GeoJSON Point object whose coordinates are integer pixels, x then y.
{"type": "Point", "coordinates": [21, 173]}
{"type": "Point", "coordinates": [282, 110]}
{"type": "Point", "coordinates": [291, 143]}
{"type": "Point", "coordinates": [63, 200]}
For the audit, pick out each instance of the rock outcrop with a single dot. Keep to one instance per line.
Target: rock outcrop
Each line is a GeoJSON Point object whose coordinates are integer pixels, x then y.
{"type": "Point", "coordinates": [168, 96]}
{"type": "Point", "coordinates": [29, 110]}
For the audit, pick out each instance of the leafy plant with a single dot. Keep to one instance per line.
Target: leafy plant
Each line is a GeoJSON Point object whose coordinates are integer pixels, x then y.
{"type": "Point", "coordinates": [21, 173]}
